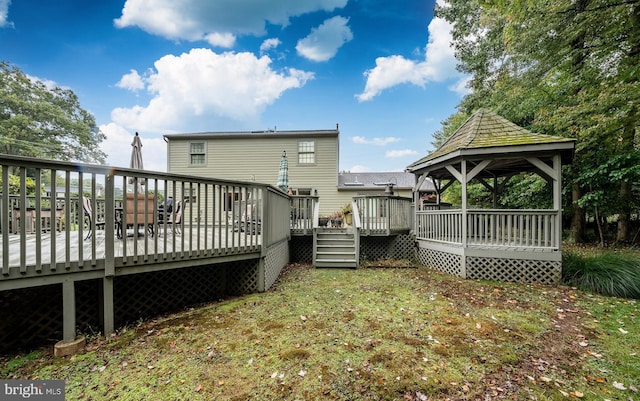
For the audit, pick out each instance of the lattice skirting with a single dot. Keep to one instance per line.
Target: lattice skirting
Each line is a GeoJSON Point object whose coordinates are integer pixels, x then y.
{"type": "Point", "coordinates": [301, 249]}
{"type": "Point", "coordinates": [492, 268]}
{"type": "Point", "coordinates": [397, 247]}
{"type": "Point", "coordinates": [276, 258]}
{"type": "Point", "coordinates": [442, 261]}
{"type": "Point", "coordinates": [519, 270]}
{"type": "Point", "coordinates": [32, 317]}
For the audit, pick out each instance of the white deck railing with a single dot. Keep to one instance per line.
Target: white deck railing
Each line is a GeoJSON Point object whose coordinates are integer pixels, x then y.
{"type": "Point", "coordinates": [493, 228]}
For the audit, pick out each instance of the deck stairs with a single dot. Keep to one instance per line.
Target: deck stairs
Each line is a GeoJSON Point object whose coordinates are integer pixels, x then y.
{"type": "Point", "coordinates": [335, 247]}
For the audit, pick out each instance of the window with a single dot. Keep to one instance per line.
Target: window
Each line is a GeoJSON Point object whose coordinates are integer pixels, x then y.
{"type": "Point", "coordinates": [306, 152]}
{"type": "Point", "coordinates": [197, 154]}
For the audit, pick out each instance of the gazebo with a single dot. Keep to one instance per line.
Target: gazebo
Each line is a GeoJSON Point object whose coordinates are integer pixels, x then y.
{"type": "Point", "coordinates": [491, 243]}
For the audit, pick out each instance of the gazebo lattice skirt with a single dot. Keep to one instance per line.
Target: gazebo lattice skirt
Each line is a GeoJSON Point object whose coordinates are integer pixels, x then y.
{"type": "Point", "coordinates": [442, 261]}
{"type": "Point", "coordinates": [496, 265]}
{"type": "Point", "coordinates": [519, 270]}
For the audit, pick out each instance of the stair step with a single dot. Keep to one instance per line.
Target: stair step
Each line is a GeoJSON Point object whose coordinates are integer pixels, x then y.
{"type": "Point", "coordinates": [336, 243]}
{"type": "Point", "coordinates": [333, 255]}
{"type": "Point", "coordinates": [336, 263]}
{"type": "Point", "coordinates": [336, 249]}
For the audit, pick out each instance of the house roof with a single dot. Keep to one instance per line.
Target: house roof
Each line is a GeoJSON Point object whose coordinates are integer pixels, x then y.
{"type": "Point", "coordinates": [377, 181]}
{"type": "Point", "coordinates": [486, 133]}
{"type": "Point", "coordinates": [253, 134]}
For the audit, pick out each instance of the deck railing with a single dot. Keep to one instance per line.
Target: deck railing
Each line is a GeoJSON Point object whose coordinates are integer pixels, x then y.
{"type": "Point", "coordinates": [384, 214]}
{"type": "Point", "coordinates": [531, 229]}
{"type": "Point", "coordinates": [302, 207]}
{"type": "Point", "coordinates": [217, 218]}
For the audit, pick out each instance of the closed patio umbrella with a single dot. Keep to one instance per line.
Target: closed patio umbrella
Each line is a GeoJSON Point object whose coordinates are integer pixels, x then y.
{"type": "Point", "coordinates": [283, 173]}
{"type": "Point", "coordinates": [136, 159]}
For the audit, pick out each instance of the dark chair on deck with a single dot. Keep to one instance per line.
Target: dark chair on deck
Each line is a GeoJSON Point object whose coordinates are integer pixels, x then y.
{"type": "Point", "coordinates": [88, 211]}
{"type": "Point", "coordinates": [175, 219]}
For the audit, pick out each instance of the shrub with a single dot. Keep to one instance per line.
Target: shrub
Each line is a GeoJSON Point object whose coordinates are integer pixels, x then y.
{"type": "Point", "coordinates": [608, 274]}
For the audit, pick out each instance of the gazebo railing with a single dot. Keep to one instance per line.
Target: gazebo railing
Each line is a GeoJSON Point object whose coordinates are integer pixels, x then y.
{"type": "Point", "coordinates": [531, 229]}
{"type": "Point", "coordinates": [440, 225]}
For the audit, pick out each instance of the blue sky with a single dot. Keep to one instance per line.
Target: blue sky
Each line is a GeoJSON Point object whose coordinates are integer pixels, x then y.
{"type": "Point", "coordinates": [381, 69]}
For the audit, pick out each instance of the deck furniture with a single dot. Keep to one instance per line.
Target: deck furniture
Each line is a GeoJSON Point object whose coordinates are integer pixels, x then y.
{"type": "Point", "coordinates": [31, 216]}
{"type": "Point", "coordinates": [174, 219]}
{"type": "Point", "coordinates": [140, 210]}
{"type": "Point", "coordinates": [88, 212]}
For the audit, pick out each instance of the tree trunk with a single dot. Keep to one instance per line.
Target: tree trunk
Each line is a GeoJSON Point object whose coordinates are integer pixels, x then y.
{"type": "Point", "coordinates": [624, 218]}
{"type": "Point", "coordinates": [578, 219]}
{"type": "Point", "coordinates": [599, 224]}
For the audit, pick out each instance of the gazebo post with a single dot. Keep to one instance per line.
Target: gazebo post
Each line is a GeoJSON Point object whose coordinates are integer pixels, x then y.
{"type": "Point", "coordinates": [557, 197]}
{"type": "Point", "coordinates": [463, 181]}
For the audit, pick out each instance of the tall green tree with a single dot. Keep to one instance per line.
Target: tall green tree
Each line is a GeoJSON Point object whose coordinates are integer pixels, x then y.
{"type": "Point", "coordinates": [40, 122]}
{"type": "Point", "coordinates": [561, 67]}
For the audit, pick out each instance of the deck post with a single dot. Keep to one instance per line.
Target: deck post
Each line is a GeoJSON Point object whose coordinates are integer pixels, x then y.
{"type": "Point", "coordinates": [108, 320]}
{"type": "Point", "coordinates": [68, 311]}
{"type": "Point", "coordinates": [107, 306]}
{"type": "Point", "coordinates": [70, 344]}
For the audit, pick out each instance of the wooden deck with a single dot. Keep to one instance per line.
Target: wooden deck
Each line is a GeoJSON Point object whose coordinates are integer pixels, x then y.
{"type": "Point", "coordinates": [73, 254]}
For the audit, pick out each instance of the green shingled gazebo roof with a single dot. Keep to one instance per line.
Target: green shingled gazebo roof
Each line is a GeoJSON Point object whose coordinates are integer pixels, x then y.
{"type": "Point", "coordinates": [485, 130]}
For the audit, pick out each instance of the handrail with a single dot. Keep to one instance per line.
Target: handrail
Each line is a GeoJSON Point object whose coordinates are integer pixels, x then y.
{"type": "Point", "coordinates": [356, 214]}
{"type": "Point", "coordinates": [316, 215]}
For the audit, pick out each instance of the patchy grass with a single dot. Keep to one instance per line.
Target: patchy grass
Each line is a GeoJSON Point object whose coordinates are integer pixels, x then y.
{"type": "Point", "coordinates": [366, 334]}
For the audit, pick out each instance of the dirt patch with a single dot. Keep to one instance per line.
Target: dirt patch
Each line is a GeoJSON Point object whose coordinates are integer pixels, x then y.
{"type": "Point", "coordinates": [559, 351]}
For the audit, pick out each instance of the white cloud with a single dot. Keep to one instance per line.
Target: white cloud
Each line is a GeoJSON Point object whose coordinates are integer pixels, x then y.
{"type": "Point", "coordinates": [439, 64]}
{"type": "Point", "coordinates": [206, 86]}
{"type": "Point", "coordinates": [195, 19]}
{"type": "Point", "coordinates": [269, 44]}
{"type": "Point", "coordinates": [324, 41]}
{"type": "Point", "coordinates": [375, 141]}
{"type": "Point", "coordinates": [461, 86]}
{"type": "Point", "coordinates": [131, 81]}
{"type": "Point", "coordinates": [118, 148]}
{"type": "Point", "coordinates": [358, 168]}
{"type": "Point", "coordinates": [49, 84]}
{"type": "Point", "coordinates": [400, 153]}
{"type": "Point", "coordinates": [4, 13]}
{"type": "Point", "coordinates": [226, 40]}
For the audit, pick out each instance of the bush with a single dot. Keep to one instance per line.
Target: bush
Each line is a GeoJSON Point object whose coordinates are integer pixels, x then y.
{"type": "Point", "coordinates": [608, 274]}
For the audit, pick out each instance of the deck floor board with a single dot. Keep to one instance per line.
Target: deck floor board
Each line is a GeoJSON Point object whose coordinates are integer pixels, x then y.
{"type": "Point", "coordinates": [195, 241]}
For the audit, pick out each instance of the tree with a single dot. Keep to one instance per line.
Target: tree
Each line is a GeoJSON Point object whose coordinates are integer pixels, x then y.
{"type": "Point", "coordinates": [40, 122]}
{"type": "Point", "coordinates": [560, 67]}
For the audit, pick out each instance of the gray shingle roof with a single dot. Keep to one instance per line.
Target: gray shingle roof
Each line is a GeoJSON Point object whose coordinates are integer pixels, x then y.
{"type": "Point", "coordinates": [485, 129]}
{"type": "Point", "coordinates": [360, 181]}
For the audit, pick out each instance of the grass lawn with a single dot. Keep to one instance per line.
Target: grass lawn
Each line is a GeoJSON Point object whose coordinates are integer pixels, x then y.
{"type": "Point", "coordinates": [367, 334]}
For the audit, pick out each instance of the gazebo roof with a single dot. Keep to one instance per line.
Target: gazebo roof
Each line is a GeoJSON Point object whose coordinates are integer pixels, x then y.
{"type": "Point", "coordinates": [488, 135]}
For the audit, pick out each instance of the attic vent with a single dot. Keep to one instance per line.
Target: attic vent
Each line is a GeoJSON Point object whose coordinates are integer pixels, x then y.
{"type": "Point", "coordinates": [356, 183]}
